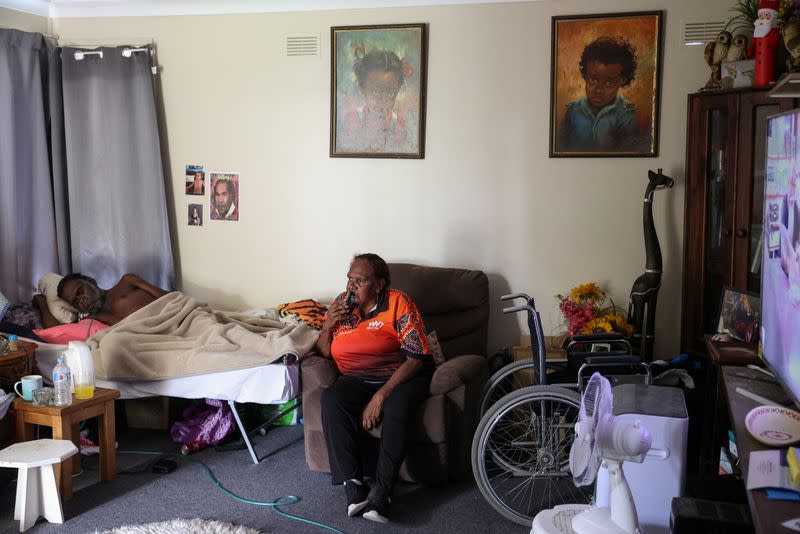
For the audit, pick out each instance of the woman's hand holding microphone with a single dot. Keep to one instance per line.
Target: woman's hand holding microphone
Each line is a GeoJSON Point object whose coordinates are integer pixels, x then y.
{"type": "Point", "coordinates": [338, 311]}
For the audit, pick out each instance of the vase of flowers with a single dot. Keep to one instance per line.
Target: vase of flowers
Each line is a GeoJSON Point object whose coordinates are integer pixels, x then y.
{"type": "Point", "coordinates": [585, 311]}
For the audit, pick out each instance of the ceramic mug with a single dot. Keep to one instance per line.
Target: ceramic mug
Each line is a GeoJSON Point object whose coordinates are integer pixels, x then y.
{"type": "Point", "coordinates": [28, 383]}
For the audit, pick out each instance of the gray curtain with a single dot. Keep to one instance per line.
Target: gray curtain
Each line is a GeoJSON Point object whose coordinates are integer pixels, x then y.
{"type": "Point", "coordinates": [33, 218]}
{"type": "Point", "coordinates": [117, 199]}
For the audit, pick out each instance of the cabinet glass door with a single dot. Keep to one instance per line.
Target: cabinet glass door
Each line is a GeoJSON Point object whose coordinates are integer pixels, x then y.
{"type": "Point", "coordinates": [753, 236]}
{"type": "Point", "coordinates": [718, 216]}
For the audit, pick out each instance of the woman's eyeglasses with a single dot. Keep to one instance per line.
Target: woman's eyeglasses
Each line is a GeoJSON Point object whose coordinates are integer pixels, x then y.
{"type": "Point", "coordinates": [359, 282]}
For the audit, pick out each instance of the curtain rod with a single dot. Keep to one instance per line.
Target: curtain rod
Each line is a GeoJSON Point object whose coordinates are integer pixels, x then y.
{"type": "Point", "coordinates": [94, 42]}
{"type": "Point", "coordinates": [126, 52]}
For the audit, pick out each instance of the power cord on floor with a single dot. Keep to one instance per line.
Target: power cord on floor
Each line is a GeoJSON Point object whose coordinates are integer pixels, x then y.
{"type": "Point", "coordinates": [283, 500]}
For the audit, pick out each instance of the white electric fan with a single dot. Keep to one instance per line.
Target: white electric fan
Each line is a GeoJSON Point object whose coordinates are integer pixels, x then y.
{"type": "Point", "coordinates": [599, 437]}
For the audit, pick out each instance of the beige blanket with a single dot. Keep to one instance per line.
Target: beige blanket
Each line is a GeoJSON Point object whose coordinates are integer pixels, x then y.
{"type": "Point", "coordinates": [180, 336]}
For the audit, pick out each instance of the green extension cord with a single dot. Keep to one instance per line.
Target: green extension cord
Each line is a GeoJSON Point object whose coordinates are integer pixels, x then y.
{"type": "Point", "coordinates": [283, 500]}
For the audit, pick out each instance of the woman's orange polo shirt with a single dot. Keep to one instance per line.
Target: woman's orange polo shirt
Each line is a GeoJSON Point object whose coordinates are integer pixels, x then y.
{"type": "Point", "coordinates": [373, 347]}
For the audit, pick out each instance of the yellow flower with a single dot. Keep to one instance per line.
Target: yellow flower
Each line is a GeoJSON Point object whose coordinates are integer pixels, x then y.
{"type": "Point", "coordinates": [619, 323]}
{"type": "Point", "coordinates": [585, 311]}
{"type": "Point", "coordinates": [588, 291]}
{"type": "Point", "coordinates": [597, 325]}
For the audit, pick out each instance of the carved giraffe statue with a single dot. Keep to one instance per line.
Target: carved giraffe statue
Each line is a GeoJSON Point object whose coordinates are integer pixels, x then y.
{"type": "Point", "coordinates": [644, 293]}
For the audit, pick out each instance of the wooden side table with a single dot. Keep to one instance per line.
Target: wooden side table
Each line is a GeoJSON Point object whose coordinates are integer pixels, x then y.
{"type": "Point", "coordinates": [16, 364]}
{"type": "Point", "coordinates": [65, 421]}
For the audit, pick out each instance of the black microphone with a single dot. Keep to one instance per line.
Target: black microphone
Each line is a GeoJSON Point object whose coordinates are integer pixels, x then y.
{"type": "Point", "coordinates": [348, 301]}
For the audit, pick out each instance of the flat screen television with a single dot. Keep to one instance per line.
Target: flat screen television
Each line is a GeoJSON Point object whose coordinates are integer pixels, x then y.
{"type": "Point", "coordinates": [780, 255]}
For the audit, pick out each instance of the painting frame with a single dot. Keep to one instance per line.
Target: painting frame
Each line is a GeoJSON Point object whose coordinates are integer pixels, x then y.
{"type": "Point", "coordinates": [388, 120]}
{"type": "Point", "coordinates": [595, 128]}
{"type": "Point", "coordinates": [746, 327]}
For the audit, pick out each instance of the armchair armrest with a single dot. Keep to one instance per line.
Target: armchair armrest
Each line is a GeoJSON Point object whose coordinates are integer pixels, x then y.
{"type": "Point", "coordinates": [458, 371]}
{"type": "Point", "coordinates": [317, 372]}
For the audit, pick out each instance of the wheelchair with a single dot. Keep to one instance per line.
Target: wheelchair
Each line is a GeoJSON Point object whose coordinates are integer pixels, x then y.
{"type": "Point", "coordinates": [520, 450]}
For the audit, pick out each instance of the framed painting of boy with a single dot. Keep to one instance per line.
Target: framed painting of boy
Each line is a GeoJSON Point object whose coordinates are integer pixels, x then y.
{"type": "Point", "coordinates": [605, 85]}
{"type": "Point", "coordinates": [378, 82]}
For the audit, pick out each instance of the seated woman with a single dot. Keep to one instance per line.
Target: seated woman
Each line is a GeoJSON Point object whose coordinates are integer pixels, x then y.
{"type": "Point", "coordinates": [380, 348]}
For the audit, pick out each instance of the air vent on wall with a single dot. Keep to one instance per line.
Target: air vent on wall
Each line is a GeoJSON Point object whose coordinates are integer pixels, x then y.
{"type": "Point", "coordinates": [698, 33]}
{"type": "Point", "coordinates": [302, 45]}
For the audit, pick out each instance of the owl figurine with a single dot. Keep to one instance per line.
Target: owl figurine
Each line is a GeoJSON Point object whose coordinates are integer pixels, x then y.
{"type": "Point", "coordinates": [716, 53]}
{"type": "Point", "coordinates": [738, 49]}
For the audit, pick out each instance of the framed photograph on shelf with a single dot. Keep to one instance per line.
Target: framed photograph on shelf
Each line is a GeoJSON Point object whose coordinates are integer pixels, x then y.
{"type": "Point", "coordinates": [739, 315]}
{"type": "Point", "coordinates": [378, 81]}
{"type": "Point", "coordinates": [605, 85]}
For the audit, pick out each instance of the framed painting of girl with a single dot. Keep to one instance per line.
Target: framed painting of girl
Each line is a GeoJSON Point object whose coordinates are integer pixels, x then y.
{"type": "Point", "coordinates": [378, 81]}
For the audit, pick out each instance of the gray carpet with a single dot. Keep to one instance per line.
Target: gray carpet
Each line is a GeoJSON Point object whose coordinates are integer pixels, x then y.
{"type": "Point", "coordinates": [138, 496]}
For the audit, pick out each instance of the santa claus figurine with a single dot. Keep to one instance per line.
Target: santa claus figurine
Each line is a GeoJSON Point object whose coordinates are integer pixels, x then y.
{"type": "Point", "coordinates": [766, 42]}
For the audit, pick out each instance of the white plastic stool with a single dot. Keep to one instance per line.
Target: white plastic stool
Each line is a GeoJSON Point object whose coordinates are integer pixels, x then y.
{"type": "Point", "coordinates": [37, 493]}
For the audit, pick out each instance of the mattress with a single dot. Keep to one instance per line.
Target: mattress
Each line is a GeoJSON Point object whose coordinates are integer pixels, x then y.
{"type": "Point", "coordinates": [272, 383]}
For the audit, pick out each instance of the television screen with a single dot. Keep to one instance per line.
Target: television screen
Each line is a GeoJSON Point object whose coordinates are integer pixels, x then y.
{"type": "Point", "coordinates": [780, 273]}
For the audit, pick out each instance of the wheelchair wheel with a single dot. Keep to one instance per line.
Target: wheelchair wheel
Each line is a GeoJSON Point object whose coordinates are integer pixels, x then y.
{"type": "Point", "coordinates": [510, 377]}
{"type": "Point", "coordinates": [520, 452]}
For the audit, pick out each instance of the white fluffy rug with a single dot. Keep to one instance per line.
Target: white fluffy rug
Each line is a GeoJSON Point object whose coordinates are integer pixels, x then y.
{"type": "Point", "coordinates": [184, 526]}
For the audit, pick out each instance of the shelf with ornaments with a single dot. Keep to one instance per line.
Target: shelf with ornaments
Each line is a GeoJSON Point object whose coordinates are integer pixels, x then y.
{"type": "Point", "coordinates": [737, 61]}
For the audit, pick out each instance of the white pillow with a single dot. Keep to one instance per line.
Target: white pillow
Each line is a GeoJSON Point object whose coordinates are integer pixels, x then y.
{"type": "Point", "coordinates": [60, 308]}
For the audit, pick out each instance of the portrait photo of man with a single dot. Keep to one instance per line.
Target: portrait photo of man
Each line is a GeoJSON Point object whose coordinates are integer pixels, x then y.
{"type": "Point", "coordinates": [224, 196]}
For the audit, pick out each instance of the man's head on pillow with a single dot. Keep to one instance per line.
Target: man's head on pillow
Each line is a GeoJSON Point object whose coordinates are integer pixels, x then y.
{"type": "Point", "coordinates": [82, 292]}
{"type": "Point", "coordinates": [112, 305]}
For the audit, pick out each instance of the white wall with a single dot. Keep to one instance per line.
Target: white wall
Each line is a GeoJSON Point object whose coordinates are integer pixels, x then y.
{"type": "Point", "coordinates": [10, 18]}
{"type": "Point", "coordinates": [486, 196]}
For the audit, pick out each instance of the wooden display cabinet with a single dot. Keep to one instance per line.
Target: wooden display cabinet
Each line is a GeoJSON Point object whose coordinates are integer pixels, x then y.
{"type": "Point", "coordinates": [725, 167]}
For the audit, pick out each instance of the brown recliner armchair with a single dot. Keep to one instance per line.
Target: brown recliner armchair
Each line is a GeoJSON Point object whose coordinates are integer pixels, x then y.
{"type": "Point", "coordinates": [455, 304]}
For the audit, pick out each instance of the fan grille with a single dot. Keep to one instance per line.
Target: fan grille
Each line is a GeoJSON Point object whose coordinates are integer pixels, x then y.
{"type": "Point", "coordinates": [584, 456]}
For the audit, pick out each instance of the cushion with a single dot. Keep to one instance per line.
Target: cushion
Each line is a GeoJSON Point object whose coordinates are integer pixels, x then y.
{"type": "Point", "coordinates": [436, 349]}
{"type": "Point", "coordinates": [59, 308]}
{"type": "Point", "coordinates": [309, 311]}
{"type": "Point", "coordinates": [64, 333]}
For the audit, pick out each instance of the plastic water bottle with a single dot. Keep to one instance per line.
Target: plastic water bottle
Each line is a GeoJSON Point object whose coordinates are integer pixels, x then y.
{"type": "Point", "coordinates": [61, 383]}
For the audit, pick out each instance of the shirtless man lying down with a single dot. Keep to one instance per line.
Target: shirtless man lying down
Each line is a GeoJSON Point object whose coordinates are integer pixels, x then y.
{"type": "Point", "coordinates": [108, 306]}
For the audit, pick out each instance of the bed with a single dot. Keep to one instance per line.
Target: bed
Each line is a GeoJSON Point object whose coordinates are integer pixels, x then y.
{"type": "Point", "coordinates": [273, 383]}
{"type": "Point", "coordinates": [178, 347]}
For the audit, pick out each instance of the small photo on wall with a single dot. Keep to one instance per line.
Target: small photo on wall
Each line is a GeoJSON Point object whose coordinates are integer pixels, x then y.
{"type": "Point", "coordinates": [195, 215]}
{"type": "Point", "coordinates": [195, 180]}
{"type": "Point", "coordinates": [224, 196]}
